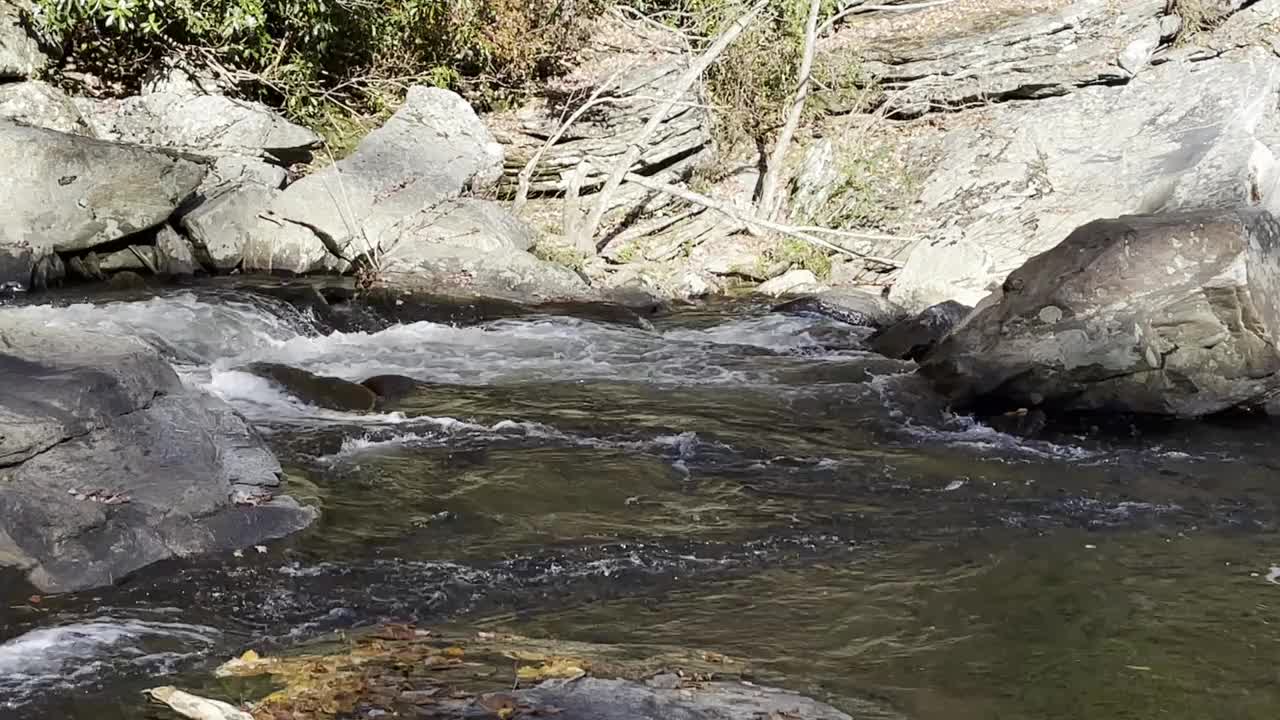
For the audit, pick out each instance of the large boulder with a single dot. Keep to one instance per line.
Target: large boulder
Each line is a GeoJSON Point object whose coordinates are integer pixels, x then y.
{"type": "Point", "coordinates": [431, 150]}
{"type": "Point", "coordinates": [1010, 180]}
{"type": "Point", "coordinates": [20, 55]}
{"type": "Point", "coordinates": [38, 103]}
{"type": "Point", "coordinates": [213, 125]}
{"type": "Point", "coordinates": [109, 463]}
{"type": "Point", "coordinates": [1172, 314]}
{"type": "Point", "coordinates": [67, 193]}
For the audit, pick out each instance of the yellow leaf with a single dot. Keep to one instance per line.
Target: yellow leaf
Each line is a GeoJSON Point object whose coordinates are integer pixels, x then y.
{"type": "Point", "coordinates": [454, 651]}
{"type": "Point", "coordinates": [250, 656]}
{"type": "Point", "coordinates": [505, 713]}
{"type": "Point", "coordinates": [558, 668]}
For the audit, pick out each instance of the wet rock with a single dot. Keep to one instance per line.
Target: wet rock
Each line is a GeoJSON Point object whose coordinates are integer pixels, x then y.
{"type": "Point", "coordinates": [390, 388]}
{"type": "Point", "coordinates": [602, 699]}
{"type": "Point", "coordinates": [67, 193]}
{"type": "Point", "coordinates": [1021, 422]}
{"type": "Point", "coordinates": [913, 338]}
{"type": "Point", "coordinates": [49, 271]}
{"type": "Point", "coordinates": [20, 55]}
{"type": "Point", "coordinates": [846, 306]}
{"type": "Point", "coordinates": [792, 282]}
{"type": "Point", "coordinates": [38, 103]}
{"type": "Point", "coordinates": [1170, 314]}
{"type": "Point", "coordinates": [319, 390]}
{"type": "Point", "coordinates": [126, 280]}
{"type": "Point", "coordinates": [1010, 180]}
{"type": "Point", "coordinates": [109, 463]}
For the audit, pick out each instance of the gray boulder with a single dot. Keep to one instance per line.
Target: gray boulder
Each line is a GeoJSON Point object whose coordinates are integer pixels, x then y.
{"type": "Point", "coordinates": [20, 55]}
{"type": "Point", "coordinates": [109, 463]}
{"type": "Point", "coordinates": [1011, 180]}
{"type": "Point", "coordinates": [174, 256]}
{"type": "Point", "coordinates": [1172, 314]}
{"type": "Point", "coordinates": [463, 271]}
{"type": "Point", "coordinates": [38, 103]}
{"type": "Point", "coordinates": [220, 228]}
{"type": "Point", "coordinates": [213, 125]}
{"type": "Point", "coordinates": [846, 306]}
{"type": "Point", "coordinates": [431, 150]}
{"type": "Point", "coordinates": [913, 338]}
{"type": "Point", "coordinates": [67, 193]}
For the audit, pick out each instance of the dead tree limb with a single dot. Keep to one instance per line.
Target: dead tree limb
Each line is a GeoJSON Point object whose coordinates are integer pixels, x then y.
{"type": "Point", "coordinates": [743, 222]}
{"type": "Point", "coordinates": [767, 207]}
{"type": "Point", "coordinates": [522, 189]}
{"type": "Point", "coordinates": [635, 150]}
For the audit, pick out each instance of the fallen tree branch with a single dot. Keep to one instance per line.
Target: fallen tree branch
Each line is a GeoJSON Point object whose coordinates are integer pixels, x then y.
{"type": "Point", "coordinates": [588, 229]}
{"type": "Point", "coordinates": [769, 203]}
{"type": "Point", "coordinates": [743, 222]}
{"type": "Point", "coordinates": [526, 174]}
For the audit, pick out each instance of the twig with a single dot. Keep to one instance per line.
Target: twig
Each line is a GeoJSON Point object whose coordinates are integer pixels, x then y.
{"type": "Point", "coordinates": [522, 189]}
{"type": "Point", "coordinates": [767, 207]}
{"type": "Point", "coordinates": [729, 212]}
{"type": "Point", "coordinates": [636, 149]}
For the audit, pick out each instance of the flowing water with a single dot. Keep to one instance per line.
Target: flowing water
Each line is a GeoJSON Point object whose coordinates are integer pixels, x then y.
{"type": "Point", "coordinates": [721, 478]}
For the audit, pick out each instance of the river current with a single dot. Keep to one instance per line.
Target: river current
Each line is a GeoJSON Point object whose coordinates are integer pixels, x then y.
{"type": "Point", "coordinates": [719, 477]}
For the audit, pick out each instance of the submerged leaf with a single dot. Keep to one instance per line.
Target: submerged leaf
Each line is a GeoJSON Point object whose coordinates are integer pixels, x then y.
{"type": "Point", "coordinates": [196, 707]}
{"type": "Point", "coordinates": [554, 668]}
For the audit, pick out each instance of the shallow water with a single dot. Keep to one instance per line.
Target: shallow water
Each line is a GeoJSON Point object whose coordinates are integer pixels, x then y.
{"type": "Point", "coordinates": [749, 483]}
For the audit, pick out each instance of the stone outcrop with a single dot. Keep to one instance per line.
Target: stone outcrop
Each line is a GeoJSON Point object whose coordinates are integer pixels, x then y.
{"type": "Point", "coordinates": [65, 193]}
{"type": "Point", "coordinates": [109, 463]}
{"type": "Point", "coordinates": [38, 103]}
{"type": "Point", "coordinates": [20, 54]}
{"type": "Point", "coordinates": [213, 125]}
{"type": "Point", "coordinates": [1171, 314]}
{"type": "Point", "coordinates": [913, 338]}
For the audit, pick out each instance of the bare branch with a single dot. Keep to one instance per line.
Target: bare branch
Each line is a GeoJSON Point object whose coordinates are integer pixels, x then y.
{"type": "Point", "coordinates": [728, 211]}
{"type": "Point", "coordinates": [636, 149]}
{"type": "Point", "coordinates": [522, 189]}
{"type": "Point", "coordinates": [769, 203]}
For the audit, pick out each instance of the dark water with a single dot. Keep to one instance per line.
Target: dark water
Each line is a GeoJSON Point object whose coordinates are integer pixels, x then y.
{"type": "Point", "coordinates": [727, 479]}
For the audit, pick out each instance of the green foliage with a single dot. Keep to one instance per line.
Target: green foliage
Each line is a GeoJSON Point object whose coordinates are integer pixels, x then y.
{"type": "Point", "coordinates": [752, 83]}
{"type": "Point", "coordinates": [569, 257]}
{"type": "Point", "coordinates": [307, 55]}
{"type": "Point", "coordinates": [875, 188]}
{"type": "Point", "coordinates": [799, 254]}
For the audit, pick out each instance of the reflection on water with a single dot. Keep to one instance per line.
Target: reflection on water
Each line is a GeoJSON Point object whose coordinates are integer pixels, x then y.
{"type": "Point", "coordinates": [752, 484]}
{"type": "Point", "coordinates": [1068, 625]}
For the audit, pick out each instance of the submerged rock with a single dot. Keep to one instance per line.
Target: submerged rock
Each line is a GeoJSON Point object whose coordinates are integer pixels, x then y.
{"type": "Point", "coordinates": [390, 388]}
{"type": "Point", "coordinates": [1171, 314]}
{"type": "Point", "coordinates": [603, 699]}
{"type": "Point", "coordinates": [319, 390]}
{"type": "Point", "coordinates": [913, 338]}
{"type": "Point", "coordinates": [108, 463]}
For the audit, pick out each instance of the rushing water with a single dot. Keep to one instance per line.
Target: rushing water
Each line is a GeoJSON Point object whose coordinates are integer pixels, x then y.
{"type": "Point", "coordinates": [725, 478]}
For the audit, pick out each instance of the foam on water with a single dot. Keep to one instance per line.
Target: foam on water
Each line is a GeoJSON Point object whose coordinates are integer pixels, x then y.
{"type": "Point", "coordinates": [78, 654]}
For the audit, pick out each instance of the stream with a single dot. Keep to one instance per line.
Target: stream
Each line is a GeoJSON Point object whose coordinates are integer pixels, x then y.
{"type": "Point", "coordinates": [718, 477]}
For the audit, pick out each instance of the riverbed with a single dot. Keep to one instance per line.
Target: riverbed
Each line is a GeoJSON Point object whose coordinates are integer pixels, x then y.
{"type": "Point", "coordinates": [718, 476]}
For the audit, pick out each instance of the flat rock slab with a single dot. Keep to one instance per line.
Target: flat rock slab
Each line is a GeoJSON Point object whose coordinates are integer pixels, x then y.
{"type": "Point", "coordinates": [109, 463]}
{"type": "Point", "coordinates": [1012, 180]}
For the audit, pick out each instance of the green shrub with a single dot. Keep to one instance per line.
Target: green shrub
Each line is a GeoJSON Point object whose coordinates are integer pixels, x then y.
{"type": "Point", "coordinates": [306, 55]}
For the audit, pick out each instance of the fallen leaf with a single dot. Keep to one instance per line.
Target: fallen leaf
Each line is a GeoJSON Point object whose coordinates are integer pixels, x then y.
{"type": "Point", "coordinates": [35, 599]}
{"type": "Point", "coordinates": [555, 668]}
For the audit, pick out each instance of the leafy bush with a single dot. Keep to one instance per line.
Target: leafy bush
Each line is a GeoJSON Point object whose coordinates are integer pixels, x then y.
{"type": "Point", "coordinates": [305, 55]}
